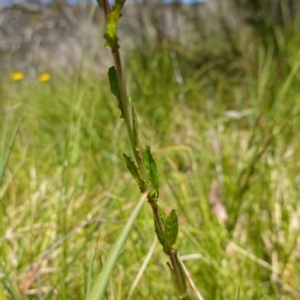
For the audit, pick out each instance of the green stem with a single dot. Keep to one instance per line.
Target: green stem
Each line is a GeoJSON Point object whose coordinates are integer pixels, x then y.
{"type": "Point", "coordinates": [127, 114]}
{"type": "Point", "coordinates": [135, 148]}
{"type": "Point", "coordinates": [157, 216]}
{"type": "Point", "coordinates": [174, 263]}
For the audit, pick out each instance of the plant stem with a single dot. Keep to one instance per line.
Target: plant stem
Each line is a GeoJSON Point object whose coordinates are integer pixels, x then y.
{"type": "Point", "coordinates": [157, 215]}
{"type": "Point", "coordinates": [136, 149]}
{"type": "Point", "coordinates": [127, 115]}
{"type": "Point", "coordinates": [174, 262]}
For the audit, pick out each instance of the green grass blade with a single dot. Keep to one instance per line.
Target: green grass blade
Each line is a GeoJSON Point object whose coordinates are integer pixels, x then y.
{"type": "Point", "coordinates": [13, 290]}
{"type": "Point", "coordinates": [90, 271]}
{"type": "Point", "coordinates": [2, 296]}
{"type": "Point", "coordinates": [100, 284]}
{"type": "Point", "coordinates": [6, 158]}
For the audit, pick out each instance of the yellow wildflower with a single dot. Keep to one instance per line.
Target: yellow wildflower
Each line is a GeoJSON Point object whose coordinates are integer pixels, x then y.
{"type": "Point", "coordinates": [44, 77]}
{"type": "Point", "coordinates": [17, 76]}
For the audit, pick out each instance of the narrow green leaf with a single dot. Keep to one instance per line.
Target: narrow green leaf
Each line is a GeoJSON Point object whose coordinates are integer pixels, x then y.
{"type": "Point", "coordinates": [171, 230]}
{"type": "Point", "coordinates": [151, 169]}
{"type": "Point", "coordinates": [159, 235]}
{"type": "Point", "coordinates": [135, 126]}
{"type": "Point", "coordinates": [183, 293]}
{"type": "Point", "coordinates": [11, 286]}
{"type": "Point", "coordinates": [100, 284]}
{"type": "Point", "coordinates": [133, 169]}
{"type": "Point", "coordinates": [115, 88]}
{"type": "Point", "coordinates": [4, 163]}
{"type": "Point", "coordinates": [113, 81]}
{"type": "Point", "coordinates": [172, 273]}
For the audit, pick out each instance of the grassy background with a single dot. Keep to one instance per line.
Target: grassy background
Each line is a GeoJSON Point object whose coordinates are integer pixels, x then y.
{"type": "Point", "coordinates": [66, 193]}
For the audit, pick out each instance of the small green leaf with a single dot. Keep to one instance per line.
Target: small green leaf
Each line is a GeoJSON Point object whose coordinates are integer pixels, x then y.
{"type": "Point", "coordinates": [135, 126]}
{"type": "Point", "coordinates": [115, 88]}
{"type": "Point", "coordinates": [113, 81]}
{"type": "Point", "coordinates": [159, 235]}
{"type": "Point", "coordinates": [151, 170]}
{"type": "Point", "coordinates": [133, 169]}
{"type": "Point", "coordinates": [171, 231]}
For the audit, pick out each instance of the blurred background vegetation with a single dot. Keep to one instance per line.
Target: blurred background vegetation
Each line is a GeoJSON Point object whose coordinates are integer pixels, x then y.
{"type": "Point", "coordinates": [217, 90]}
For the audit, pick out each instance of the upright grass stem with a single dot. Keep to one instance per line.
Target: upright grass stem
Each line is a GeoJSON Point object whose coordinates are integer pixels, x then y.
{"type": "Point", "coordinates": [152, 198]}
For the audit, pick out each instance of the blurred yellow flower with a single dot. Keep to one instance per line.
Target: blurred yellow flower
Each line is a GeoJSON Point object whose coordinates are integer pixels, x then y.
{"type": "Point", "coordinates": [17, 76]}
{"type": "Point", "coordinates": [44, 77]}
